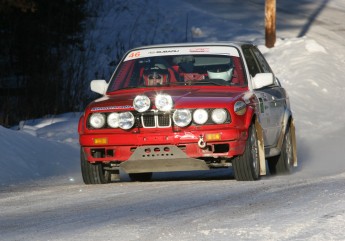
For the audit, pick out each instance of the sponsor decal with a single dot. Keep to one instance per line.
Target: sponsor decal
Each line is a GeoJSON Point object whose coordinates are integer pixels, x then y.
{"type": "Point", "coordinates": [199, 50]}
{"type": "Point", "coordinates": [111, 108]}
{"type": "Point", "coordinates": [144, 53]}
{"type": "Point", "coordinates": [262, 107]}
{"type": "Point", "coordinates": [164, 51]}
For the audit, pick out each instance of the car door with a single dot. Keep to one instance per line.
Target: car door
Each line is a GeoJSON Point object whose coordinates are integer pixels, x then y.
{"type": "Point", "coordinates": [272, 99]}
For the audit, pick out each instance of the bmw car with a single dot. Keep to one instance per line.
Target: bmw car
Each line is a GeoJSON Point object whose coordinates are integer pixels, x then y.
{"type": "Point", "coordinates": [188, 107]}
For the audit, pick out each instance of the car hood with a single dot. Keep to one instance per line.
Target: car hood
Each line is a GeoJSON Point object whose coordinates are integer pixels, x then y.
{"type": "Point", "coordinates": [182, 98]}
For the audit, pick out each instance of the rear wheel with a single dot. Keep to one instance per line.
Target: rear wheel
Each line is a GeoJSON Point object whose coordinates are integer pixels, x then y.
{"type": "Point", "coordinates": [283, 163]}
{"type": "Point", "coordinates": [140, 177]}
{"type": "Point", "coordinates": [93, 173]}
{"type": "Point", "coordinates": [247, 166]}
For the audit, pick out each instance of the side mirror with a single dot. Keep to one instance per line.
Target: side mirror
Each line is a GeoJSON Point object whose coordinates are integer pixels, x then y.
{"type": "Point", "coordinates": [262, 80]}
{"type": "Point", "coordinates": [99, 86]}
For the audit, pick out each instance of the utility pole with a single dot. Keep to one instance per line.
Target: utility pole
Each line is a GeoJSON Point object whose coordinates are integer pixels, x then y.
{"type": "Point", "coordinates": [270, 23]}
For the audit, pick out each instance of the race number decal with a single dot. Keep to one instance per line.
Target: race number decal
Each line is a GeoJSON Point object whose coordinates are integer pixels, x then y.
{"type": "Point", "coordinates": [134, 55]}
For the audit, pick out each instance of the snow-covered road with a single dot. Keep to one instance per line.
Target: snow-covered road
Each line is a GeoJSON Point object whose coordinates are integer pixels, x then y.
{"type": "Point", "coordinates": [275, 208]}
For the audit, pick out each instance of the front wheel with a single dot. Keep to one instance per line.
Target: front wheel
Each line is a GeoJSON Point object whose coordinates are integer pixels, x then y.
{"type": "Point", "coordinates": [247, 166]}
{"type": "Point", "coordinates": [93, 173]}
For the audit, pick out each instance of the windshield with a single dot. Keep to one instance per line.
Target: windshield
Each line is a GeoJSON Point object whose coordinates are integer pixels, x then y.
{"type": "Point", "coordinates": [154, 68]}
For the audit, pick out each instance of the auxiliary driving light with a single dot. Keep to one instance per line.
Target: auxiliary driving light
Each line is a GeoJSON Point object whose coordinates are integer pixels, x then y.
{"type": "Point", "coordinates": [141, 103]}
{"type": "Point", "coordinates": [113, 120]}
{"type": "Point", "coordinates": [97, 120]}
{"type": "Point", "coordinates": [164, 102]}
{"type": "Point", "coordinates": [182, 117]}
{"type": "Point", "coordinates": [126, 120]}
{"type": "Point", "coordinates": [200, 116]}
{"type": "Point", "coordinates": [219, 116]}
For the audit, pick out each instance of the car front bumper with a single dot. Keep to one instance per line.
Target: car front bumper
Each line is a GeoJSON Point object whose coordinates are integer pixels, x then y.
{"type": "Point", "coordinates": [110, 147]}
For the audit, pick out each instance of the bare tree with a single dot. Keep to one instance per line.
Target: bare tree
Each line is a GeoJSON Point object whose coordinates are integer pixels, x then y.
{"type": "Point", "coordinates": [270, 23]}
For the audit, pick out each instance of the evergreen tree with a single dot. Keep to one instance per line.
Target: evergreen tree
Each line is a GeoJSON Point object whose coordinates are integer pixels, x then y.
{"type": "Point", "coordinates": [36, 38]}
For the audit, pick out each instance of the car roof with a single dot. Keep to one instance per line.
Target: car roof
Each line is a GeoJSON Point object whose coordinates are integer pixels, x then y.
{"type": "Point", "coordinates": [190, 44]}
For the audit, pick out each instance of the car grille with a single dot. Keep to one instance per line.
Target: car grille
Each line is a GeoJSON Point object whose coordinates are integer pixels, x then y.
{"type": "Point", "coordinates": [154, 119]}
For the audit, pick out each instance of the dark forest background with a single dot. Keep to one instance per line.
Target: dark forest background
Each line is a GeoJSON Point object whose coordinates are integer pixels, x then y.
{"type": "Point", "coordinates": [37, 37]}
{"type": "Point", "coordinates": [48, 49]}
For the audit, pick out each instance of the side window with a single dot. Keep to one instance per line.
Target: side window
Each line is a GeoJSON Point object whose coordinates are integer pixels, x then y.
{"type": "Point", "coordinates": [265, 68]}
{"type": "Point", "coordinates": [251, 62]}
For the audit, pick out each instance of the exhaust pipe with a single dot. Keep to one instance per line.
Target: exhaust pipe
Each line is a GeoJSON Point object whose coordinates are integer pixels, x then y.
{"type": "Point", "coordinates": [201, 142]}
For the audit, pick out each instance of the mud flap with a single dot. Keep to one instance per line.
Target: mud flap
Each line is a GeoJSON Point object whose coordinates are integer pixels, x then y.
{"type": "Point", "coordinates": [261, 146]}
{"type": "Point", "coordinates": [294, 144]}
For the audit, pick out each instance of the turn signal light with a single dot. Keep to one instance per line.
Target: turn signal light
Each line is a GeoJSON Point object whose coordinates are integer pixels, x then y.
{"type": "Point", "coordinates": [100, 141]}
{"type": "Point", "coordinates": [213, 137]}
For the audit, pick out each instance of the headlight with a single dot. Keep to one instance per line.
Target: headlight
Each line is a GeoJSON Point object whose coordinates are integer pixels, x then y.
{"type": "Point", "coordinates": [141, 103]}
{"type": "Point", "coordinates": [163, 102]}
{"type": "Point", "coordinates": [97, 120]}
{"type": "Point", "coordinates": [240, 108]}
{"type": "Point", "coordinates": [219, 116]}
{"type": "Point", "coordinates": [200, 116]}
{"type": "Point", "coordinates": [113, 120]}
{"type": "Point", "coordinates": [182, 117]}
{"type": "Point", "coordinates": [126, 120]}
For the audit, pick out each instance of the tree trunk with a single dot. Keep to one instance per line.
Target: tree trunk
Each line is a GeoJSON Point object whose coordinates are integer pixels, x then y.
{"type": "Point", "coordinates": [270, 23]}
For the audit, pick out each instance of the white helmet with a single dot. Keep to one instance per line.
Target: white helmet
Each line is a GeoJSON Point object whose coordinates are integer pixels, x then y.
{"type": "Point", "coordinates": [226, 75]}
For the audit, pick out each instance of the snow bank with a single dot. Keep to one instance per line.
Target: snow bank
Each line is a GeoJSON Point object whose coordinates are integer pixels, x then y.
{"type": "Point", "coordinates": [313, 77]}
{"type": "Point", "coordinates": [42, 148]}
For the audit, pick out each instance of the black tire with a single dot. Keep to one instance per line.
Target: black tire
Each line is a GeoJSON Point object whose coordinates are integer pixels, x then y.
{"type": "Point", "coordinates": [93, 173]}
{"type": "Point", "coordinates": [283, 163]}
{"type": "Point", "coordinates": [140, 177]}
{"type": "Point", "coordinates": [247, 166]}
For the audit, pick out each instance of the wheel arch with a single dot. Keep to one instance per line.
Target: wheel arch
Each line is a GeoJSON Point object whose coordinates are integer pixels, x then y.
{"type": "Point", "coordinates": [253, 119]}
{"type": "Point", "coordinates": [294, 141]}
{"type": "Point", "coordinates": [250, 117]}
{"type": "Point", "coordinates": [261, 145]}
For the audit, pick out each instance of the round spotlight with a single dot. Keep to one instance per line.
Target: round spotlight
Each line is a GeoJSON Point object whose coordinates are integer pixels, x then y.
{"type": "Point", "coordinates": [164, 102]}
{"type": "Point", "coordinates": [141, 103]}
{"type": "Point", "coordinates": [97, 120]}
{"type": "Point", "coordinates": [113, 120]}
{"type": "Point", "coordinates": [219, 116]}
{"type": "Point", "coordinates": [240, 108]}
{"type": "Point", "coordinates": [182, 117]}
{"type": "Point", "coordinates": [200, 116]}
{"type": "Point", "coordinates": [126, 120]}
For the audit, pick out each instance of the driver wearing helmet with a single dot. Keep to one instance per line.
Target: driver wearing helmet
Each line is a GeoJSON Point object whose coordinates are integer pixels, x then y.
{"type": "Point", "coordinates": [221, 72]}
{"type": "Point", "coordinates": [155, 76]}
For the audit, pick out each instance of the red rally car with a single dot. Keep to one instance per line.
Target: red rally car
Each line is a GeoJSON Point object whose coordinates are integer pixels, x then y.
{"type": "Point", "coordinates": [183, 107]}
